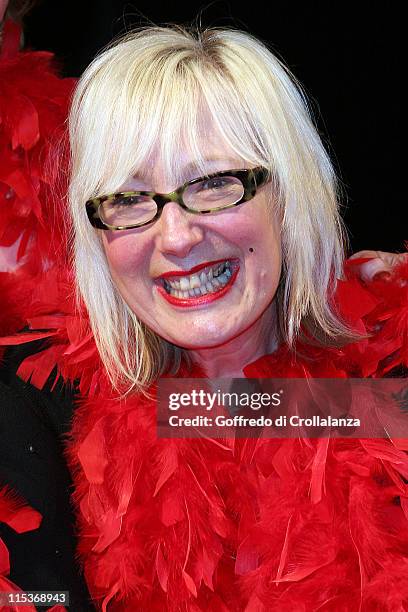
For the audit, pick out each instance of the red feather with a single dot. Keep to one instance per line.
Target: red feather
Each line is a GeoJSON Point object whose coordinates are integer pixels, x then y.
{"type": "Point", "coordinates": [162, 569]}
{"type": "Point", "coordinates": [4, 559]}
{"type": "Point", "coordinates": [15, 512]}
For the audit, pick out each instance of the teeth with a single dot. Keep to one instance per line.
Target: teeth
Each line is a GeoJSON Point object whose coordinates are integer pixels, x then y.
{"type": "Point", "coordinates": [194, 281]}
{"type": "Point", "coordinates": [199, 284]}
{"type": "Point", "coordinates": [221, 268]}
{"type": "Point", "coordinates": [184, 283]}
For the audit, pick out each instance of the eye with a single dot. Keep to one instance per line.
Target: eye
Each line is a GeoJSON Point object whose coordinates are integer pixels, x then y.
{"type": "Point", "coordinates": [217, 182]}
{"type": "Point", "coordinates": [126, 200]}
{"type": "Point", "coordinates": [128, 209]}
{"type": "Point", "coordinates": [216, 191]}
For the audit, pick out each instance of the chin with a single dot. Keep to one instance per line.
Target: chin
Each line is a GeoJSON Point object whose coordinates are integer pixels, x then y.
{"type": "Point", "coordinates": [201, 340]}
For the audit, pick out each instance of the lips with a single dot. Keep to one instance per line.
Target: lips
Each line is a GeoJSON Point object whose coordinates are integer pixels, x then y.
{"type": "Point", "coordinates": [180, 273]}
{"type": "Point", "coordinates": [201, 284]}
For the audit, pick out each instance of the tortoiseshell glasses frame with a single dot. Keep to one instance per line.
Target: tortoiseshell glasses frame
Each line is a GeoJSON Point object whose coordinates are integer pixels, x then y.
{"type": "Point", "coordinates": [242, 187]}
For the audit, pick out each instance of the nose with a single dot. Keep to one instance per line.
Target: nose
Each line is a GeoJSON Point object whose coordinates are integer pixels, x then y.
{"type": "Point", "coordinates": [178, 231]}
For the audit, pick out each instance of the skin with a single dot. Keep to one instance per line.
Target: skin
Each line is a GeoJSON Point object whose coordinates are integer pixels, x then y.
{"type": "Point", "coordinates": [380, 264]}
{"type": "Point", "coordinates": [236, 329]}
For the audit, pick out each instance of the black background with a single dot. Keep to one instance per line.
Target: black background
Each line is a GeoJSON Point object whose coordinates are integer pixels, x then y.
{"type": "Point", "coordinates": [350, 60]}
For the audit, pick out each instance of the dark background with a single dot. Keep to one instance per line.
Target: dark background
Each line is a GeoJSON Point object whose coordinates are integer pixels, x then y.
{"type": "Point", "coordinates": [351, 63]}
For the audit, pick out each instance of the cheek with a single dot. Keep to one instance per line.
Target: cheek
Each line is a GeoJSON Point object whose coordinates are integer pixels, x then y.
{"type": "Point", "coordinates": [265, 259]}
{"type": "Point", "coordinates": [265, 242]}
{"type": "Point", "coordinates": [122, 255]}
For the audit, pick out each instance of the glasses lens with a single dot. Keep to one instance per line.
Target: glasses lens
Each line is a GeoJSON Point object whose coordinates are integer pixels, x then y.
{"type": "Point", "coordinates": [128, 210]}
{"type": "Point", "coordinates": [213, 193]}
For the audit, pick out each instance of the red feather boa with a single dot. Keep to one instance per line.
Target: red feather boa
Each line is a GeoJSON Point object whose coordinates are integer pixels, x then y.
{"type": "Point", "coordinates": [33, 108]}
{"type": "Point", "coordinates": [254, 525]}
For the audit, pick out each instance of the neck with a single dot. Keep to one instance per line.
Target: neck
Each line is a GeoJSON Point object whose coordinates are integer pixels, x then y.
{"type": "Point", "coordinates": [228, 360]}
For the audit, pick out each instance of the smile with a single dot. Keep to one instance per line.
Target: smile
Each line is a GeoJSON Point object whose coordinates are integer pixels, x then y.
{"type": "Point", "coordinates": [207, 284]}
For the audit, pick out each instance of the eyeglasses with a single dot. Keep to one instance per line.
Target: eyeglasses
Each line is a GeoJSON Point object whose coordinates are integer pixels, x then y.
{"type": "Point", "coordinates": [201, 196]}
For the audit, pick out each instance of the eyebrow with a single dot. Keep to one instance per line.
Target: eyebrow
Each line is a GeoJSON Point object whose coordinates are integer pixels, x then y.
{"type": "Point", "coordinates": [192, 166]}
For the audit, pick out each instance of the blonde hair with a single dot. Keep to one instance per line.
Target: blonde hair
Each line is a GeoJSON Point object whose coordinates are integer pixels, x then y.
{"type": "Point", "coordinates": [149, 90]}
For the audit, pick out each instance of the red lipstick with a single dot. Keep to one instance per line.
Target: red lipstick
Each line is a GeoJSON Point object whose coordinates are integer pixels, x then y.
{"type": "Point", "coordinates": [192, 270]}
{"type": "Point", "coordinates": [202, 299]}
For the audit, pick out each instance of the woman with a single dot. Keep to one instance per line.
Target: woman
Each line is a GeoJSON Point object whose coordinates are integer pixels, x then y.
{"type": "Point", "coordinates": [220, 253]}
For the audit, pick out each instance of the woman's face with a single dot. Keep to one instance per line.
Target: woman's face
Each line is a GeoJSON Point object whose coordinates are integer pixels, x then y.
{"type": "Point", "coordinates": [247, 236]}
